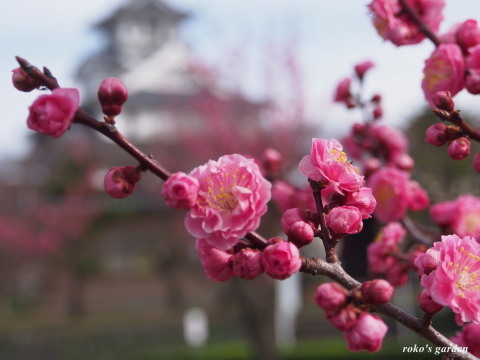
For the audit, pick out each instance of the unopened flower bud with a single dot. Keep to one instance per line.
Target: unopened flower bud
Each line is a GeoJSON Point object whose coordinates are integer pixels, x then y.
{"type": "Point", "coordinates": [363, 200]}
{"type": "Point", "coordinates": [216, 263]}
{"type": "Point", "coordinates": [468, 34]}
{"type": "Point", "coordinates": [472, 81]}
{"type": "Point", "coordinates": [22, 81]}
{"type": "Point", "coordinates": [300, 233]}
{"type": "Point", "coordinates": [330, 296]}
{"type": "Point", "coordinates": [290, 217]}
{"type": "Point", "coordinates": [476, 163]}
{"type": "Point", "coordinates": [120, 181]}
{"type": "Point", "coordinates": [377, 292]}
{"type": "Point", "coordinates": [362, 68]}
{"type": "Point", "coordinates": [443, 100]}
{"type": "Point", "coordinates": [281, 260]}
{"type": "Point", "coordinates": [436, 134]}
{"type": "Point", "coordinates": [377, 98]}
{"type": "Point", "coordinates": [459, 149]}
{"type": "Point", "coordinates": [344, 220]}
{"type": "Point", "coordinates": [427, 304]}
{"type": "Point", "coordinates": [377, 112]}
{"type": "Point", "coordinates": [371, 165]}
{"type": "Point", "coordinates": [112, 94]}
{"type": "Point", "coordinates": [247, 263]}
{"type": "Point", "coordinates": [404, 162]}
{"type": "Point", "coordinates": [345, 319]}
{"type": "Point", "coordinates": [427, 262]}
{"type": "Point", "coordinates": [271, 160]}
{"type": "Point", "coordinates": [180, 191]}
{"type": "Point", "coordinates": [418, 199]}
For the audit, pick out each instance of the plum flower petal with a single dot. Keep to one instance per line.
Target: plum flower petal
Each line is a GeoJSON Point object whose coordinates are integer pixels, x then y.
{"type": "Point", "coordinates": [232, 196]}
{"type": "Point", "coordinates": [327, 162]}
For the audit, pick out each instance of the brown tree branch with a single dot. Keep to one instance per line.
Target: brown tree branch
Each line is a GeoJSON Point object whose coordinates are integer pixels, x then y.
{"type": "Point", "coordinates": [412, 14]}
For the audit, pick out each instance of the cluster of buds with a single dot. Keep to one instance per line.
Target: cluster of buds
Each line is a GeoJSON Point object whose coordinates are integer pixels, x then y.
{"type": "Point", "coordinates": [348, 312]}
{"type": "Point", "coordinates": [280, 259]}
{"type": "Point", "coordinates": [456, 136]}
{"type": "Point", "coordinates": [345, 95]}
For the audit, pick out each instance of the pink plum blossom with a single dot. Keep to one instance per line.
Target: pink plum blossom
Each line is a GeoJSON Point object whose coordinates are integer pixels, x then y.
{"type": "Point", "coordinates": [442, 213]}
{"type": "Point", "coordinates": [367, 333]}
{"type": "Point", "coordinates": [180, 191]}
{"type": "Point", "coordinates": [427, 262]}
{"type": "Point", "coordinates": [328, 163]}
{"type": "Point", "coordinates": [392, 141]}
{"type": "Point", "coordinates": [216, 263]}
{"type": "Point", "coordinates": [469, 337]}
{"type": "Point", "coordinates": [232, 197]}
{"type": "Point", "coordinates": [454, 283]}
{"type": "Point", "coordinates": [394, 25]}
{"type": "Point", "coordinates": [330, 296]}
{"type": "Point", "coordinates": [390, 189]}
{"type": "Point", "coordinates": [418, 199]}
{"type": "Point", "coordinates": [344, 220]}
{"type": "Point", "coordinates": [444, 70]}
{"type": "Point", "coordinates": [247, 263]}
{"type": "Point", "coordinates": [287, 196]}
{"type": "Point", "coordinates": [281, 260]}
{"type": "Point", "coordinates": [119, 182]}
{"type": "Point", "coordinates": [52, 114]}
{"type": "Point", "coordinates": [466, 219]}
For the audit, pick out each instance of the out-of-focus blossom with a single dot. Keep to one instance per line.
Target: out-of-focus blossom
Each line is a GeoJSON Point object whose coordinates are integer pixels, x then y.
{"type": "Point", "coordinates": [444, 71]}
{"type": "Point", "coordinates": [468, 34]}
{"type": "Point", "coordinates": [395, 25]}
{"type": "Point", "coordinates": [367, 333]}
{"type": "Point", "coordinates": [392, 141]}
{"type": "Point", "coordinates": [362, 68]}
{"type": "Point", "coordinates": [232, 197]}
{"type": "Point", "coordinates": [418, 199]}
{"type": "Point", "coordinates": [330, 296]}
{"type": "Point", "coordinates": [469, 338]}
{"type": "Point", "coordinates": [271, 161]}
{"type": "Point", "coordinates": [343, 94]}
{"type": "Point", "coordinates": [390, 189]}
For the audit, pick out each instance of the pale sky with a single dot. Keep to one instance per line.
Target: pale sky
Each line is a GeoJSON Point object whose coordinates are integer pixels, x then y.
{"type": "Point", "coordinates": [333, 36]}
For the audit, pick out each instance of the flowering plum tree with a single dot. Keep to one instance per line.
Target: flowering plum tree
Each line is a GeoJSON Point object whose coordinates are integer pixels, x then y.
{"type": "Point", "coordinates": [226, 198]}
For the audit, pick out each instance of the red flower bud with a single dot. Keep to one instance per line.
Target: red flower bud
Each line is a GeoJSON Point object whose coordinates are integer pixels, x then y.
{"type": "Point", "coordinates": [427, 304]}
{"type": "Point", "coordinates": [22, 81]}
{"type": "Point", "coordinates": [271, 160]}
{"type": "Point", "coordinates": [459, 149]}
{"type": "Point", "coordinates": [443, 100]}
{"type": "Point", "coordinates": [436, 134]}
{"type": "Point", "coordinates": [112, 94]}
{"type": "Point", "coordinates": [120, 181]}
{"type": "Point", "coordinates": [377, 292]}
